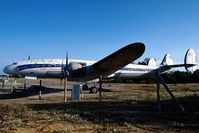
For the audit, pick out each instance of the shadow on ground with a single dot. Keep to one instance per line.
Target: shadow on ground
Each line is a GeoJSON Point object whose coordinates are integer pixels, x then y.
{"type": "Point", "coordinates": [135, 112]}
{"type": "Point", "coordinates": [34, 91]}
{"type": "Point", "coordinates": [31, 91]}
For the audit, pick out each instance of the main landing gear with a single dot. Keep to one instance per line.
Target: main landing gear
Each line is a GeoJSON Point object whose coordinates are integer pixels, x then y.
{"type": "Point", "coordinates": [93, 89]}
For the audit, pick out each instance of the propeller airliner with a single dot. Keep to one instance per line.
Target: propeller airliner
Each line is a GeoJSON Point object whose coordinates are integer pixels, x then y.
{"type": "Point", "coordinates": [117, 65]}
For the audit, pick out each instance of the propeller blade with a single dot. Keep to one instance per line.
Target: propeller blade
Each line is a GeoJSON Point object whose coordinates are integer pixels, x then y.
{"type": "Point", "coordinates": [66, 72]}
{"type": "Point", "coordinates": [62, 73]}
{"type": "Point", "coordinates": [66, 58]}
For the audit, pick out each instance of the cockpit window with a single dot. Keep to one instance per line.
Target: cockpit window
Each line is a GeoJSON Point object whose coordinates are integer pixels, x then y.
{"type": "Point", "coordinates": [15, 63]}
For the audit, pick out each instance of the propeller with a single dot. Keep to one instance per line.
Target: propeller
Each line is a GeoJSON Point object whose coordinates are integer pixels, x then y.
{"type": "Point", "coordinates": [64, 69]}
{"type": "Point", "coordinates": [66, 74]}
{"type": "Point", "coordinates": [62, 73]}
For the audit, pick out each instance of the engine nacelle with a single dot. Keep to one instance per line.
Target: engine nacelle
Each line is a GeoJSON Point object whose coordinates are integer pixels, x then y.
{"type": "Point", "coordinates": [74, 66]}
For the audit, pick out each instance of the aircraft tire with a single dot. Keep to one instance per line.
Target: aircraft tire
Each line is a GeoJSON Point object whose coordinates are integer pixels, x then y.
{"type": "Point", "coordinates": [93, 89]}
{"type": "Point", "coordinates": [85, 87]}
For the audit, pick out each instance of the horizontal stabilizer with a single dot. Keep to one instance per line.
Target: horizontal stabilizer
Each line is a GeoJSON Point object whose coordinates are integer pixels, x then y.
{"type": "Point", "coordinates": [190, 61]}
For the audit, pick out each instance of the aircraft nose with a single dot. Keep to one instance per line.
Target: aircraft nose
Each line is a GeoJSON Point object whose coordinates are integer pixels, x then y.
{"type": "Point", "coordinates": [9, 69]}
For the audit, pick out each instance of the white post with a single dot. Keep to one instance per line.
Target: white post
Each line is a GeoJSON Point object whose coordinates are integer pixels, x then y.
{"type": "Point", "coordinates": [40, 89]}
{"type": "Point", "coordinates": [100, 89]}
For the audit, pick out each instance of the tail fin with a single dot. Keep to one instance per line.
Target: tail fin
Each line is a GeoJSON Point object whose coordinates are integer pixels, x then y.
{"type": "Point", "coordinates": [151, 62]}
{"type": "Point", "coordinates": [167, 60]}
{"type": "Point", "coordinates": [190, 59]}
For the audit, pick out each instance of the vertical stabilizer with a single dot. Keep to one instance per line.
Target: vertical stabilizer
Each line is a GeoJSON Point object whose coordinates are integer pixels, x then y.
{"type": "Point", "coordinates": [152, 62]}
{"type": "Point", "coordinates": [190, 59]}
{"type": "Point", "coordinates": [167, 60]}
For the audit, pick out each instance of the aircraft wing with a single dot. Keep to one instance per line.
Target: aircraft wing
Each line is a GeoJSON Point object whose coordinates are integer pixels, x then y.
{"type": "Point", "coordinates": [118, 59]}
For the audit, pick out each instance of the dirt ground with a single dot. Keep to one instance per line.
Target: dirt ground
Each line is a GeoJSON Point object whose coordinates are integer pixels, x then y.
{"type": "Point", "coordinates": [124, 108]}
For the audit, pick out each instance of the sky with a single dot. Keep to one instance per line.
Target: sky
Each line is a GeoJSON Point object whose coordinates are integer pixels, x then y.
{"type": "Point", "coordinates": [93, 29]}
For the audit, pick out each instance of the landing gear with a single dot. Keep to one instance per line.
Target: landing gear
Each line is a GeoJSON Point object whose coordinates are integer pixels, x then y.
{"type": "Point", "coordinates": [85, 87]}
{"type": "Point", "coordinates": [92, 89]}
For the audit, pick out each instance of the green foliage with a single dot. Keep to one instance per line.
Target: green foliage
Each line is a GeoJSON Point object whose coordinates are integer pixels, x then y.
{"type": "Point", "coordinates": [182, 77]}
{"type": "Point", "coordinates": [172, 77]}
{"type": "Point", "coordinates": [195, 77]}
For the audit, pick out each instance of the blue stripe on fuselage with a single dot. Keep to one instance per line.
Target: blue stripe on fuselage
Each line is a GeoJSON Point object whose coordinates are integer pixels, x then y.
{"type": "Point", "coordinates": [137, 69]}
{"type": "Point", "coordinates": [29, 66]}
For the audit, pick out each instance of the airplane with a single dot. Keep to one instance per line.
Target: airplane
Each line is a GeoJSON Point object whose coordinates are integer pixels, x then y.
{"type": "Point", "coordinates": [117, 65]}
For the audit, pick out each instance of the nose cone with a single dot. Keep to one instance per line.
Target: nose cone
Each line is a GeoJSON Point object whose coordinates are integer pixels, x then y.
{"type": "Point", "coordinates": [9, 69]}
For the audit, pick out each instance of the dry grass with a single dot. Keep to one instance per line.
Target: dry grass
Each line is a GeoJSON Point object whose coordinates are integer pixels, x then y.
{"type": "Point", "coordinates": [126, 108]}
